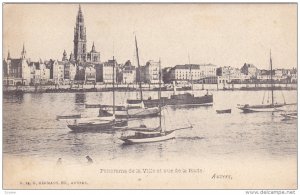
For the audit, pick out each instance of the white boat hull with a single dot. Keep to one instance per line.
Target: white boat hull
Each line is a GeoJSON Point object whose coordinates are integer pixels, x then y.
{"type": "Point", "coordinates": [149, 140]}
{"type": "Point", "coordinates": [136, 113]}
{"type": "Point", "coordinates": [260, 108]}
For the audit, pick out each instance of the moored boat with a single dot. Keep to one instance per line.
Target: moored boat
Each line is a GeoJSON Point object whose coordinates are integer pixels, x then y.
{"type": "Point", "coordinates": [95, 124]}
{"type": "Point", "coordinates": [134, 113]}
{"type": "Point", "coordinates": [223, 111]}
{"type": "Point", "coordinates": [260, 108]}
{"type": "Point", "coordinates": [72, 116]}
{"type": "Point", "coordinates": [147, 137]}
{"type": "Point", "coordinates": [263, 107]}
{"type": "Point", "coordinates": [178, 99]}
{"type": "Point", "coordinates": [290, 116]}
{"type": "Point", "coordinates": [100, 123]}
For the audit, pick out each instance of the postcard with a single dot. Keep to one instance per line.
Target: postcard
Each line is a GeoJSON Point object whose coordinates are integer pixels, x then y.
{"type": "Point", "coordinates": [149, 96]}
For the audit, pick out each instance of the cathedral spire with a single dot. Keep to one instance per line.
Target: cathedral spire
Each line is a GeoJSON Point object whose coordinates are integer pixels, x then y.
{"type": "Point", "coordinates": [93, 47]}
{"type": "Point", "coordinates": [23, 53]}
{"type": "Point", "coordinates": [80, 37]}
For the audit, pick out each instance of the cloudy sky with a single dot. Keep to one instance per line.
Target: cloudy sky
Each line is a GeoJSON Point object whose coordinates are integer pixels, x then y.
{"type": "Point", "coordinates": [221, 34]}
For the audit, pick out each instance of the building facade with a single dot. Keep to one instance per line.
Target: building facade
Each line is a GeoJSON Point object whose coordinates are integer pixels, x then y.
{"type": "Point", "coordinates": [128, 73]}
{"type": "Point", "coordinates": [151, 72]}
{"type": "Point", "coordinates": [109, 72]}
{"type": "Point", "coordinates": [192, 72]}
{"type": "Point", "coordinates": [90, 74]}
{"type": "Point", "coordinates": [250, 70]}
{"type": "Point", "coordinates": [16, 71]}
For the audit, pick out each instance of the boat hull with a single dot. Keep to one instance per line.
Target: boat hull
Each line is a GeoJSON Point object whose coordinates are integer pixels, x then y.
{"type": "Point", "coordinates": [111, 125]}
{"type": "Point", "coordinates": [134, 113]}
{"type": "Point", "coordinates": [290, 116]}
{"type": "Point", "coordinates": [260, 108]}
{"type": "Point", "coordinates": [168, 135]}
{"type": "Point", "coordinates": [59, 117]}
{"type": "Point", "coordinates": [182, 99]}
{"type": "Point", "coordinates": [223, 111]}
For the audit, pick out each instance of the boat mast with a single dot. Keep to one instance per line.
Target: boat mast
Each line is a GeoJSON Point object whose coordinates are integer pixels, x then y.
{"type": "Point", "coordinates": [138, 61]}
{"type": "Point", "coordinates": [159, 94]}
{"type": "Point", "coordinates": [113, 85]}
{"type": "Point", "coordinates": [191, 76]}
{"type": "Point", "coordinates": [271, 79]}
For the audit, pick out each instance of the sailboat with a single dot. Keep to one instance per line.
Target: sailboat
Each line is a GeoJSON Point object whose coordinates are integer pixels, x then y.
{"type": "Point", "coordinates": [148, 135]}
{"type": "Point", "coordinates": [273, 107]}
{"type": "Point", "coordinates": [134, 109]}
{"type": "Point", "coordinates": [99, 123]}
{"type": "Point", "coordinates": [180, 99]}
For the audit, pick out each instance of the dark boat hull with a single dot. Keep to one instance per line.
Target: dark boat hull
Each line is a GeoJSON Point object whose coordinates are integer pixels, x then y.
{"type": "Point", "coordinates": [183, 99]}
{"type": "Point", "coordinates": [97, 127]}
{"type": "Point", "coordinates": [223, 111]}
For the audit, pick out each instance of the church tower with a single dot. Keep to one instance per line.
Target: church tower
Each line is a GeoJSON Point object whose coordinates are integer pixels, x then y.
{"type": "Point", "coordinates": [80, 38]}
{"type": "Point", "coordinates": [23, 53]}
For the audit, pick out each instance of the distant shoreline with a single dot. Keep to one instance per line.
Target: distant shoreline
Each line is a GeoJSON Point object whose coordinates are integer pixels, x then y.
{"type": "Point", "coordinates": [127, 88]}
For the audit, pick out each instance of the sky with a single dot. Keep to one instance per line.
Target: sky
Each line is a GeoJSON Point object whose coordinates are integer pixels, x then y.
{"type": "Point", "coordinates": [221, 34]}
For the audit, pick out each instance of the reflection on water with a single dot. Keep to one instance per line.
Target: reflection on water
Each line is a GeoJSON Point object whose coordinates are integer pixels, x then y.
{"type": "Point", "coordinates": [80, 98]}
{"type": "Point", "coordinates": [13, 98]}
{"type": "Point", "coordinates": [30, 128]}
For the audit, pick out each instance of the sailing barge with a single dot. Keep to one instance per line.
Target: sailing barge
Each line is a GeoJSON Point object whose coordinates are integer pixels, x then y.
{"type": "Point", "coordinates": [273, 107]}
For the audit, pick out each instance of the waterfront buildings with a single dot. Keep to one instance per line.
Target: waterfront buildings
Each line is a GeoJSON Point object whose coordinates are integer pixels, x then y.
{"type": "Point", "coordinates": [192, 72]}
{"type": "Point", "coordinates": [39, 73]}
{"type": "Point", "coordinates": [128, 72]}
{"type": "Point", "coordinates": [250, 70]}
{"type": "Point", "coordinates": [90, 74]}
{"type": "Point", "coordinates": [16, 71]}
{"type": "Point", "coordinates": [228, 74]}
{"type": "Point", "coordinates": [151, 72]}
{"type": "Point", "coordinates": [58, 72]}
{"type": "Point", "coordinates": [109, 73]}
{"type": "Point", "coordinates": [85, 67]}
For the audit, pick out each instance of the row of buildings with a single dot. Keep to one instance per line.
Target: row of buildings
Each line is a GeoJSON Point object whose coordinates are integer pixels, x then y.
{"type": "Point", "coordinates": [21, 71]}
{"type": "Point", "coordinates": [83, 66]}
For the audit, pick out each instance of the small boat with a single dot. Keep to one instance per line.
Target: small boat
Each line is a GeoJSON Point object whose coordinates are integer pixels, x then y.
{"type": "Point", "coordinates": [133, 109]}
{"type": "Point", "coordinates": [223, 111]}
{"type": "Point", "coordinates": [290, 116]}
{"type": "Point", "coordinates": [100, 123]}
{"type": "Point", "coordinates": [260, 108]}
{"type": "Point", "coordinates": [92, 105]}
{"type": "Point", "coordinates": [149, 135]}
{"type": "Point", "coordinates": [72, 116]}
{"type": "Point", "coordinates": [96, 124]}
{"type": "Point", "coordinates": [133, 112]}
{"type": "Point", "coordinates": [273, 107]}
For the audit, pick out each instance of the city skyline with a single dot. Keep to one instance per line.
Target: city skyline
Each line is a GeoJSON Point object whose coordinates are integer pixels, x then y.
{"type": "Point", "coordinates": [175, 33]}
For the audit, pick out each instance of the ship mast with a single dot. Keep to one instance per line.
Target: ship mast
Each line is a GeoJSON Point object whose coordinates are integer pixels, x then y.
{"type": "Point", "coordinates": [138, 61]}
{"type": "Point", "coordinates": [159, 94]}
{"type": "Point", "coordinates": [272, 79]}
{"type": "Point", "coordinates": [113, 85]}
{"type": "Point", "coordinates": [191, 76]}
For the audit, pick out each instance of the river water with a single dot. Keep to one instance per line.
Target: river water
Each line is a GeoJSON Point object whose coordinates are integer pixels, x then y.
{"type": "Point", "coordinates": [30, 129]}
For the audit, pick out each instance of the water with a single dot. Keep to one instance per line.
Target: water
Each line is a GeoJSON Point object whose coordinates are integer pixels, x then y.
{"type": "Point", "coordinates": [30, 128]}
